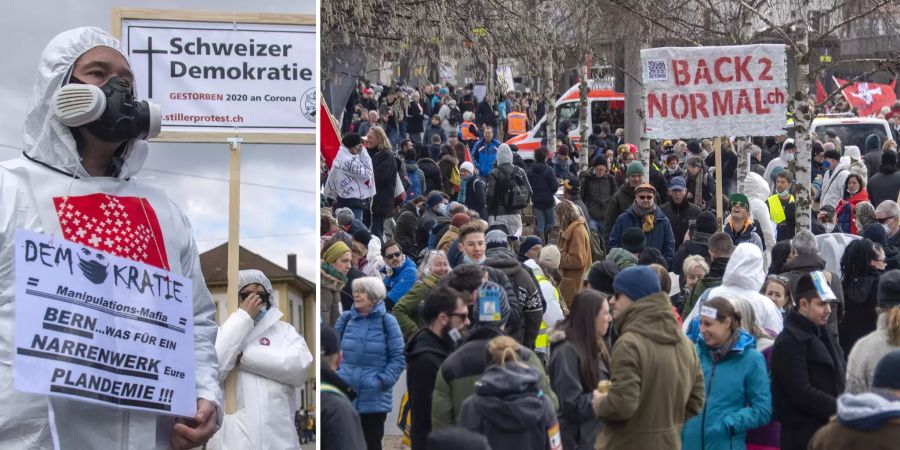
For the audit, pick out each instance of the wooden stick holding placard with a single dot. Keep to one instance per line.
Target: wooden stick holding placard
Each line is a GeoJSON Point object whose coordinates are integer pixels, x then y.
{"type": "Point", "coordinates": [234, 217]}
{"type": "Point", "coordinates": [717, 147]}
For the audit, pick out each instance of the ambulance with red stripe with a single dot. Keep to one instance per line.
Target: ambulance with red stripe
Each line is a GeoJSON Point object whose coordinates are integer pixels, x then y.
{"type": "Point", "coordinates": [604, 105]}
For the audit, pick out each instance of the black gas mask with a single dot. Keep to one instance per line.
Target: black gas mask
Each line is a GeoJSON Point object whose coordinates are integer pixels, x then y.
{"type": "Point", "coordinates": [109, 112]}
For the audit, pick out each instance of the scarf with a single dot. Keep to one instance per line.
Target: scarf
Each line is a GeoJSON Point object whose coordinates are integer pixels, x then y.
{"type": "Point", "coordinates": [719, 353]}
{"type": "Point", "coordinates": [747, 224]}
{"type": "Point", "coordinates": [647, 216]}
{"type": "Point", "coordinates": [330, 270]}
{"type": "Point", "coordinates": [698, 190]}
{"type": "Point", "coordinates": [464, 182]}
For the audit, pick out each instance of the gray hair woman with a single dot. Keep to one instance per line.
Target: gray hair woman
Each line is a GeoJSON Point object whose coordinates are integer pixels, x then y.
{"type": "Point", "coordinates": [372, 346]}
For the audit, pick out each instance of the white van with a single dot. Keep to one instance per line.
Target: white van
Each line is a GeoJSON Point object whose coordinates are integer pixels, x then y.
{"type": "Point", "coordinates": [604, 105]}
{"type": "Point", "coordinates": [851, 130]}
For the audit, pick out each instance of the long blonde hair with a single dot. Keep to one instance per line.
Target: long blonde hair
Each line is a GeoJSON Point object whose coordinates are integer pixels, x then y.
{"type": "Point", "coordinates": [893, 324]}
{"type": "Point", "coordinates": [504, 349]}
{"type": "Point", "coordinates": [566, 213]}
{"type": "Point", "coordinates": [383, 142]}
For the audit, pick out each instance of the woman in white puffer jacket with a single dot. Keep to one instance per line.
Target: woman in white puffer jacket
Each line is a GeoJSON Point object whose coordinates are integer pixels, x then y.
{"type": "Point", "coordinates": [271, 360]}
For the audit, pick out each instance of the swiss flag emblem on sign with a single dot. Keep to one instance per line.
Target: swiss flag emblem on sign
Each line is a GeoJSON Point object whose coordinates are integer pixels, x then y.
{"type": "Point", "coordinates": [123, 226]}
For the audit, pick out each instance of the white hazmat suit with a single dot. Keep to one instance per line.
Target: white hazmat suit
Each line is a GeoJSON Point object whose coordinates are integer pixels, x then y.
{"type": "Point", "coordinates": [274, 361]}
{"type": "Point", "coordinates": [52, 171]}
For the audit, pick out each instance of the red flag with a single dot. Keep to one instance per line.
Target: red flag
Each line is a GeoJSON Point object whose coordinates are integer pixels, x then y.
{"type": "Point", "coordinates": [330, 139]}
{"type": "Point", "coordinates": [868, 98]}
{"type": "Point", "coordinates": [123, 226]}
{"type": "Point", "coordinates": [820, 92]}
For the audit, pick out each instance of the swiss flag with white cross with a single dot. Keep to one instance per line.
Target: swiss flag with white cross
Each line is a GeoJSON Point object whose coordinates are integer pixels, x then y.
{"type": "Point", "coordinates": [123, 226]}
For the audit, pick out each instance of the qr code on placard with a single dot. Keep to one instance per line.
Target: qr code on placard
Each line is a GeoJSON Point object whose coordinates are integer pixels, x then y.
{"type": "Point", "coordinates": [656, 70]}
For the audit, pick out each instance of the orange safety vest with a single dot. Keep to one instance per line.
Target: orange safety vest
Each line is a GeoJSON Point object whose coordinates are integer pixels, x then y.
{"type": "Point", "coordinates": [516, 123]}
{"type": "Point", "coordinates": [467, 135]}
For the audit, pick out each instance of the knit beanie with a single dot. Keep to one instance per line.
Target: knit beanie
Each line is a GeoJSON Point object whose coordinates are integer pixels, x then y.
{"type": "Point", "coordinates": [550, 257]}
{"type": "Point", "coordinates": [344, 216]}
{"type": "Point", "coordinates": [694, 147]}
{"type": "Point", "coordinates": [334, 252]}
{"type": "Point", "coordinates": [887, 372]}
{"type": "Point", "coordinates": [528, 243]}
{"type": "Point", "coordinates": [434, 199]}
{"type": "Point", "coordinates": [601, 276]}
{"type": "Point", "coordinates": [362, 236]}
{"type": "Point", "coordinates": [707, 222]}
{"type": "Point", "coordinates": [460, 219]}
{"type": "Point", "coordinates": [496, 239]}
{"type": "Point", "coordinates": [633, 240]}
{"type": "Point", "coordinates": [875, 233]}
{"type": "Point", "coordinates": [467, 166]}
{"type": "Point", "coordinates": [633, 168]}
{"type": "Point", "coordinates": [889, 289]}
{"type": "Point", "coordinates": [636, 282]}
{"type": "Point", "coordinates": [738, 197]}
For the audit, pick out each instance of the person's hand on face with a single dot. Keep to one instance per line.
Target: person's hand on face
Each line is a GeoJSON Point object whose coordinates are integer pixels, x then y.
{"type": "Point", "coordinates": [191, 433]}
{"type": "Point", "coordinates": [253, 304]}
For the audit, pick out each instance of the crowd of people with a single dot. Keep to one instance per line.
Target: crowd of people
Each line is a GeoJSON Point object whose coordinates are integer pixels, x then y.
{"type": "Point", "coordinates": [539, 307]}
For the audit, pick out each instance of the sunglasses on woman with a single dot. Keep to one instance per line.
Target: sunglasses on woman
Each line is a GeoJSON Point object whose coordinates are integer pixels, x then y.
{"type": "Point", "coordinates": [264, 296]}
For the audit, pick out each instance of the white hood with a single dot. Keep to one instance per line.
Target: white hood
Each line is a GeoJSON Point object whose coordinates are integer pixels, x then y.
{"type": "Point", "coordinates": [46, 138]}
{"type": "Point", "coordinates": [745, 268]}
{"type": "Point", "coordinates": [743, 278]}
{"type": "Point", "coordinates": [756, 187]}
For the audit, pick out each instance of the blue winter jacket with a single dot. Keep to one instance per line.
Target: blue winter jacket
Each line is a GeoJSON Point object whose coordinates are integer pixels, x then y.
{"type": "Point", "coordinates": [484, 155]}
{"type": "Point", "coordinates": [738, 397]}
{"type": "Point", "coordinates": [373, 357]}
{"type": "Point", "coordinates": [400, 281]}
{"type": "Point", "coordinates": [661, 237]}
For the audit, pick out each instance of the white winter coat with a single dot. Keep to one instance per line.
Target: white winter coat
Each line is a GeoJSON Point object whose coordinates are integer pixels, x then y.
{"type": "Point", "coordinates": [757, 191]}
{"type": "Point", "coordinates": [27, 190]}
{"type": "Point", "coordinates": [274, 361]}
{"type": "Point", "coordinates": [780, 161]}
{"type": "Point", "coordinates": [833, 183]}
{"type": "Point", "coordinates": [743, 279]}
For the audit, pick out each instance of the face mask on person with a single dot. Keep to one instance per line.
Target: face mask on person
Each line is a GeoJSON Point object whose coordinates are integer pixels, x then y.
{"type": "Point", "coordinates": [443, 209]}
{"type": "Point", "coordinates": [829, 227]}
{"type": "Point", "coordinates": [784, 193]}
{"type": "Point", "coordinates": [262, 313]}
{"type": "Point", "coordinates": [469, 260]}
{"type": "Point", "coordinates": [826, 164]}
{"type": "Point", "coordinates": [788, 156]}
{"type": "Point", "coordinates": [887, 228]}
{"type": "Point", "coordinates": [109, 112]}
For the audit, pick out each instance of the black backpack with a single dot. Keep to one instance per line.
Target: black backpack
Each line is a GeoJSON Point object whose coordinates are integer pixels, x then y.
{"type": "Point", "coordinates": [518, 192]}
{"type": "Point", "coordinates": [455, 116]}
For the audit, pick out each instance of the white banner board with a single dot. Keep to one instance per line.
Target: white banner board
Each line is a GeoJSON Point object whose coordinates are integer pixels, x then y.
{"type": "Point", "coordinates": [218, 77]}
{"type": "Point", "coordinates": [699, 92]}
{"type": "Point", "coordinates": [95, 327]}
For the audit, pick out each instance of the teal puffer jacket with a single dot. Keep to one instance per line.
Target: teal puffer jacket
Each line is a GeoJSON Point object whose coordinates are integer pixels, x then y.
{"type": "Point", "coordinates": [738, 397]}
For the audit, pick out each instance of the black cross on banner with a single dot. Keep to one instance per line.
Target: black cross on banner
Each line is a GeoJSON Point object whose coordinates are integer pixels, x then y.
{"type": "Point", "coordinates": [150, 51]}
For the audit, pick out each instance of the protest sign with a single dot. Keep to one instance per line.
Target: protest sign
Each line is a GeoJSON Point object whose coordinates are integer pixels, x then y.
{"type": "Point", "coordinates": [95, 327]}
{"type": "Point", "coordinates": [220, 73]}
{"type": "Point", "coordinates": [700, 92]}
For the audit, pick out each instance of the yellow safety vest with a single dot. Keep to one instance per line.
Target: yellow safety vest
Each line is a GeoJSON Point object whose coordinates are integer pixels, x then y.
{"type": "Point", "coordinates": [542, 343]}
{"type": "Point", "coordinates": [776, 211]}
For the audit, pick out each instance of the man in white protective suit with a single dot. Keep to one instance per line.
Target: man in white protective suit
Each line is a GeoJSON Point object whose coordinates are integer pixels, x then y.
{"type": "Point", "coordinates": [272, 359]}
{"type": "Point", "coordinates": [73, 166]}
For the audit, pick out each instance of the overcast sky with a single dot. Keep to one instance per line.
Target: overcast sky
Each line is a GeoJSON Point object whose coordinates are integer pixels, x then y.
{"type": "Point", "coordinates": [277, 218]}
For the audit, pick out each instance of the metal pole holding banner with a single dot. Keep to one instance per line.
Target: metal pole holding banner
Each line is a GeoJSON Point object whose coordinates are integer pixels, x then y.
{"type": "Point", "coordinates": [234, 217]}
{"type": "Point", "coordinates": [717, 147]}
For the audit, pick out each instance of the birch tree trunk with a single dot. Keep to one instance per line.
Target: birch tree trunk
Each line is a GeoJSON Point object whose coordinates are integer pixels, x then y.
{"type": "Point", "coordinates": [550, 101]}
{"type": "Point", "coordinates": [582, 118]}
{"type": "Point", "coordinates": [800, 107]}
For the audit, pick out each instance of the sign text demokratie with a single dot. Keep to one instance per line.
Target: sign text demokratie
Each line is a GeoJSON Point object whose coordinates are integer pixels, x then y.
{"type": "Point", "coordinates": [95, 327]}
{"type": "Point", "coordinates": [213, 77]}
{"type": "Point", "coordinates": [697, 92]}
